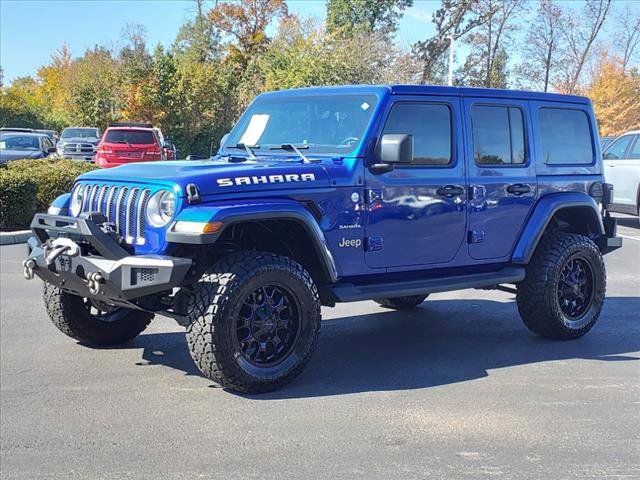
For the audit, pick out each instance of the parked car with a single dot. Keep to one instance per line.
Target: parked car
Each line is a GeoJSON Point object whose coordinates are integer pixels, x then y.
{"type": "Point", "coordinates": [128, 142]}
{"type": "Point", "coordinates": [336, 194]}
{"type": "Point", "coordinates": [15, 145]}
{"type": "Point", "coordinates": [78, 143]}
{"type": "Point", "coordinates": [622, 170]}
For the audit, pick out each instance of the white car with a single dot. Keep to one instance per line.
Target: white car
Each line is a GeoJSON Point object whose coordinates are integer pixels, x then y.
{"type": "Point", "coordinates": [622, 170]}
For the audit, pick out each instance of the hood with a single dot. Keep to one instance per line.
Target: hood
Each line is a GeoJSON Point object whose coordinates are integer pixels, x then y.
{"type": "Point", "coordinates": [6, 155]}
{"type": "Point", "coordinates": [220, 176]}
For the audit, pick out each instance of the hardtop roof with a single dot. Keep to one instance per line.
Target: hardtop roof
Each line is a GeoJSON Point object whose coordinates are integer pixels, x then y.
{"type": "Point", "coordinates": [431, 90]}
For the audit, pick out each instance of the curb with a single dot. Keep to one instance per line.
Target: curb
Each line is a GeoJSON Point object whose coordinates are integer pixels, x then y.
{"type": "Point", "coordinates": [12, 238]}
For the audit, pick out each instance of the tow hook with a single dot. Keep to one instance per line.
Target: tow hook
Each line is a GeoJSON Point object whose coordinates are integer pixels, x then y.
{"type": "Point", "coordinates": [94, 279]}
{"type": "Point", "coordinates": [29, 265]}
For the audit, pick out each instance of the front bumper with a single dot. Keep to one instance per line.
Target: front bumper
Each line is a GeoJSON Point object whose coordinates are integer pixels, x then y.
{"type": "Point", "coordinates": [59, 254]}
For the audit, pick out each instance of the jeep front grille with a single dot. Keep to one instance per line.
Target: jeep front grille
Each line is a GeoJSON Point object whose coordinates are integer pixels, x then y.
{"type": "Point", "coordinates": [123, 206]}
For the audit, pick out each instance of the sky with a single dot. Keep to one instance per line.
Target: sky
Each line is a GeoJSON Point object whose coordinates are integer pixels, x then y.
{"type": "Point", "coordinates": [31, 31]}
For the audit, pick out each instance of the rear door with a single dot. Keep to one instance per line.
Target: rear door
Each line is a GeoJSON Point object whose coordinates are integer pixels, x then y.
{"type": "Point", "coordinates": [502, 179]}
{"type": "Point", "coordinates": [416, 214]}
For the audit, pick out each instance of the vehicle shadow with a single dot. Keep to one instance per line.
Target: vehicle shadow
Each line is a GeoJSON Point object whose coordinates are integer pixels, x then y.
{"type": "Point", "coordinates": [441, 342]}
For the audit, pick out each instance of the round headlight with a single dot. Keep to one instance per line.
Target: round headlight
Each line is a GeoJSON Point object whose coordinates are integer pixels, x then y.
{"type": "Point", "coordinates": [75, 205]}
{"type": "Point", "coordinates": [161, 208]}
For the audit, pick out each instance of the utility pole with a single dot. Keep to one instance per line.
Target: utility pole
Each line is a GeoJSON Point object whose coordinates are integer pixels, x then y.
{"type": "Point", "coordinates": [451, 45]}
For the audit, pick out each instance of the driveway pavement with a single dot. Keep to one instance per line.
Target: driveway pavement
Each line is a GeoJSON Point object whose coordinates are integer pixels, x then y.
{"type": "Point", "coordinates": [457, 388]}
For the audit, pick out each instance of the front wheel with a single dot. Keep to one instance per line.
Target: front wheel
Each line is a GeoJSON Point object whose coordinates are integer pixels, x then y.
{"type": "Point", "coordinates": [255, 319]}
{"type": "Point", "coordinates": [90, 322]}
{"type": "Point", "coordinates": [563, 291]}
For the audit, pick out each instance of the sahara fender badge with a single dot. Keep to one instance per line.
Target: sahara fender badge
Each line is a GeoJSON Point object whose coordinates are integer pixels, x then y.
{"type": "Point", "coordinates": [260, 179]}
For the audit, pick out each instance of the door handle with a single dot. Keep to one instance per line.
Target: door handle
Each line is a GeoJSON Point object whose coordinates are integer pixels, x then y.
{"type": "Point", "coordinates": [450, 191]}
{"type": "Point", "coordinates": [518, 188]}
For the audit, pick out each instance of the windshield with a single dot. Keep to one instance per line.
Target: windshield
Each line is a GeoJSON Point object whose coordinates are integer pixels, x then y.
{"type": "Point", "coordinates": [80, 133]}
{"type": "Point", "coordinates": [331, 124]}
{"type": "Point", "coordinates": [130, 136]}
{"type": "Point", "coordinates": [19, 142]}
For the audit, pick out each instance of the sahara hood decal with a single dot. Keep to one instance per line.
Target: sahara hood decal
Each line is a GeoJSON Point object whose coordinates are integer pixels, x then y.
{"type": "Point", "coordinates": [259, 179]}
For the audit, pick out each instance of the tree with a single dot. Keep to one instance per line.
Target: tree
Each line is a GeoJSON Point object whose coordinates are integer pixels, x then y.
{"type": "Point", "coordinates": [581, 34]}
{"type": "Point", "coordinates": [486, 64]}
{"type": "Point", "coordinates": [450, 20]}
{"type": "Point", "coordinates": [247, 22]}
{"type": "Point", "coordinates": [347, 16]}
{"type": "Point", "coordinates": [542, 49]}
{"type": "Point", "coordinates": [627, 35]}
{"type": "Point", "coordinates": [198, 39]}
{"type": "Point", "coordinates": [615, 93]}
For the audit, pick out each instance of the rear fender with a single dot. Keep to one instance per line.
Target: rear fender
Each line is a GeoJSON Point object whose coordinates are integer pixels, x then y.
{"type": "Point", "coordinates": [544, 211]}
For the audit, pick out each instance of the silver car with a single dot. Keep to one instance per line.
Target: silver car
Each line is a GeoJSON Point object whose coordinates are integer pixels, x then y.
{"type": "Point", "coordinates": [18, 145]}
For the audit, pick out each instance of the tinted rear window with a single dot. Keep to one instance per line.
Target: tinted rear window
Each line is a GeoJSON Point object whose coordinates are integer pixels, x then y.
{"type": "Point", "coordinates": [129, 136]}
{"type": "Point", "coordinates": [566, 136]}
{"type": "Point", "coordinates": [498, 135]}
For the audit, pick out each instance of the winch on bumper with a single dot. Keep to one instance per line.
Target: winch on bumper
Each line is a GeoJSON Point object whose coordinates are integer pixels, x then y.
{"type": "Point", "coordinates": [58, 255]}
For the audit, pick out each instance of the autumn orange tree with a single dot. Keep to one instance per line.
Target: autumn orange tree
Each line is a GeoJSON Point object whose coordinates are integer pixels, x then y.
{"type": "Point", "coordinates": [616, 97]}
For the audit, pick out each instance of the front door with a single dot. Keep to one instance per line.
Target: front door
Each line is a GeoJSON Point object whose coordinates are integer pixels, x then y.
{"type": "Point", "coordinates": [502, 179]}
{"type": "Point", "coordinates": [416, 214]}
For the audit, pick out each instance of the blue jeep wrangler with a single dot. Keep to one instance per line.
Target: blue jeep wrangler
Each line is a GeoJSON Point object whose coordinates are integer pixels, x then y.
{"type": "Point", "coordinates": [327, 195]}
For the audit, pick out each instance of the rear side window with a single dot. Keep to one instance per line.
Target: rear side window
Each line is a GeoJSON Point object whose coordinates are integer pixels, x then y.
{"type": "Point", "coordinates": [130, 136]}
{"type": "Point", "coordinates": [565, 136]}
{"type": "Point", "coordinates": [430, 125]}
{"type": "Point", "coordinates": [498, 135]}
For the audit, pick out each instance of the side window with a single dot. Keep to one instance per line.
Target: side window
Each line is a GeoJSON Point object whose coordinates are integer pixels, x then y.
{"type": "Point", "coordinates": [565, 136]}
{"type": "Point", "coordinates": [46, 144]}
{"type": "Point", "coordinates": [618, 148]}
{"type": "Point", "coordinates": [634, 153]}
{"type": "Point", "coordinates": [430, 125]}
{"type": "Point", "coordinates": [498, 135]}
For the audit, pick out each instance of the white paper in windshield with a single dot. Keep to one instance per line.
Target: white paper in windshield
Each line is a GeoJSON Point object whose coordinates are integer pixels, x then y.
{"type": "Point", "coordinates": [254, 130]}
{"type": "Point", "coordinates": [3, 145]}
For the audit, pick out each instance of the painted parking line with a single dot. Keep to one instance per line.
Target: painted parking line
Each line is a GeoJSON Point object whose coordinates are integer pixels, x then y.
{"type": "Point", "coordinates": [627, 236]}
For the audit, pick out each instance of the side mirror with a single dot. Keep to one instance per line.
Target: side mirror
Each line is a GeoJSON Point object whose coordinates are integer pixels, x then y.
{"type": "Point", "coordinates": [396, 148]}
{"type": "Point", "coordinates": [224, 139]}
{"type": "Point", "coordinates": [610, 156]}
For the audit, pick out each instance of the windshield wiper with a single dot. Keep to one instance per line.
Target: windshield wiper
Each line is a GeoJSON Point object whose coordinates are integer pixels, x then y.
{"type": "Point", "coordinates": [246, 148]}
{"type": "Point", "coordinates": [291, 146]}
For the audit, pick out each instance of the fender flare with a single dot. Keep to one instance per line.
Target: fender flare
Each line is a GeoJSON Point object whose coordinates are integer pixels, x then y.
{"type": "Point", "coordinates": [543, 212]}
{"type": "Point", "coordinates": [230, 214]}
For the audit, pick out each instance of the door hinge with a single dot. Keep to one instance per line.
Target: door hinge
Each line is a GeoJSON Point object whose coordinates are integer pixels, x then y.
{"type": "Point", "coordinates": [374, 243]}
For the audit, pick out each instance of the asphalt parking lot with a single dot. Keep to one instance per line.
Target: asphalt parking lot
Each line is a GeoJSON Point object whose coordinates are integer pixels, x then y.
{"type": "Point", "coordinates": [457, 388]}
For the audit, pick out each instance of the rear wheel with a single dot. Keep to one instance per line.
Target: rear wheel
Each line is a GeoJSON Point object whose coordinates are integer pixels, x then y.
{"type": "Point", "coordinates": [90, 322]}
{"type": "Point", "coordinates": [401, 303]}
{"type": "Point", "coordinates": [563, 292]}
{"type": "Point", "coordinates": [255, 319]}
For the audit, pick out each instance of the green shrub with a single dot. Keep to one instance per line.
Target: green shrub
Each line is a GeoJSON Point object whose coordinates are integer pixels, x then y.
{"type": "Point", "coordinates": [30, 186]}
{"type": "Point", "coordinates": [52, 177]}
{"type": "Point", "coordinates": [17, 199]}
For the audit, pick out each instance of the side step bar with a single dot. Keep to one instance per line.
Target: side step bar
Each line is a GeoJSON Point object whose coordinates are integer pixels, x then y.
{"type": "Point", "coordinates": [349, 292]}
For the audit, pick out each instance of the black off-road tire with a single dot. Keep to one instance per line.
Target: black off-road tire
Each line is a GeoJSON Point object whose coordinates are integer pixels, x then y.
{"type": "Point", "coordinates": [214, 310]}
{"type": "Point", "coordinates": [538, 294]}
{"type": "Point", "coordinates": [401, 303]}
{"type": "Point", "coordinates": [72, 317]}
